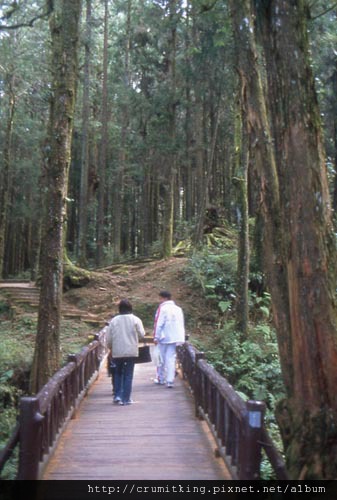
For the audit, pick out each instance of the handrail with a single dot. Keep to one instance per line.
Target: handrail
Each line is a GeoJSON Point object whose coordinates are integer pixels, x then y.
{"type": "Point", "coordinates": [43, 416]}
{"type": "Point", "coordinates": [237, 426]}
{"type": "Point", "coordinates": [274, 456]}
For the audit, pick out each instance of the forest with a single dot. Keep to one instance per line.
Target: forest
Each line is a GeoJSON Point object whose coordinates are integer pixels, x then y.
{"type": "Point", "coordinates": [133, 128]}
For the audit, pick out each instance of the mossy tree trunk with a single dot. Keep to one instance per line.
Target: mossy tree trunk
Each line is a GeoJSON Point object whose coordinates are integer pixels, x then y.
{"type": "Point", "coordinates": [242, 280]}
{"type": "Point", "coordinates": [64, 25]}
{"type": "Point", "coordinates": [260, 154]}
{"type": "Point", "coordinates": [334, 138]}
{"type": "Point", "coordinates": [83, 207]}
{"type": "Point", "coordinates": [168, 219]}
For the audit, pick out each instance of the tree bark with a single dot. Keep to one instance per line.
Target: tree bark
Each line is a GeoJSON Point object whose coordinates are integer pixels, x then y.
{"type": "Point", "coordinates": [241, 183]}
{"type": "Point", "coordinates": [64, 25]}
{"type": "Point", "coordinates": [263, 162]}
{"type": "Point", "coordinates": [5, 173]}
{"type": "Point", "coordinates": [120, 231]}
{"type": "Point", "coordinates": [104, 145]}
{"type": "Point", "coordinates": [170, 167]}
{"type": "Point", "coordinates": [309, 251]}
{"type": "Point", "coordinates": [200, 182]}
{"type": "Point", "coordinates": [83, 206]}
{"type": "Point", "coordinates": [334, 138]}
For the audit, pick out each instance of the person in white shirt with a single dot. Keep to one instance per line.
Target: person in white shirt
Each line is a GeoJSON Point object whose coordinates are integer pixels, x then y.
{"type": "Point", "coordinates": [169, 331]}
{"type": "Point", "coordinates": [123, 334]}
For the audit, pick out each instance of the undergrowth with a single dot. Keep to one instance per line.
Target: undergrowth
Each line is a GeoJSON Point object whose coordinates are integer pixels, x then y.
{"type": "Point", "coordinates": [250, 364]}
{"type": "Point", "coordinates": [16, 354]}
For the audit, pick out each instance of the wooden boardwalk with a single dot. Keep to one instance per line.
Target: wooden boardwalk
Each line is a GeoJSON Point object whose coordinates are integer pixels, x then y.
{"type": "Point", "coordinates": [156, 438]}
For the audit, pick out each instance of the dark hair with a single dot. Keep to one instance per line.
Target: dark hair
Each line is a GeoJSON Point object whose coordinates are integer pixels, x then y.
{"type": "Point", "coordinates": [125, 307]}
{"type": "Point", "coordinates": [165, 294]}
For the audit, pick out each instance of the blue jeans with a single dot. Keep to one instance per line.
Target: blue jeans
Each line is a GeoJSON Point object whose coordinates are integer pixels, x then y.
{"type": "Point", "coordinates": [123, 378]}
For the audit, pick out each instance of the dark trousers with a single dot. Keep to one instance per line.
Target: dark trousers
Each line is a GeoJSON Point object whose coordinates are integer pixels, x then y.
{"type": "Point", "coordinates": [123, 376]}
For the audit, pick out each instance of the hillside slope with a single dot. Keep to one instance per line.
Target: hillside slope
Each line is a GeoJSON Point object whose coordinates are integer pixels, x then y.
{"type": "Point", "coordinates": [140, 282]}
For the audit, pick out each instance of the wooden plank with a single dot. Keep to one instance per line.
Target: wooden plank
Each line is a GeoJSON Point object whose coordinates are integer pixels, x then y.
{"type": "Point", "coordinates": [157, 437]}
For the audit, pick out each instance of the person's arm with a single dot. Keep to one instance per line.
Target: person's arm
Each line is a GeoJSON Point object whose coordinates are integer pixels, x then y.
{"type": "Point", "coordinates": [109, 338]}
{"type": "Point", "coordinates": [159, 326]}
{"type": "Point", "coordinates": [140, 328]}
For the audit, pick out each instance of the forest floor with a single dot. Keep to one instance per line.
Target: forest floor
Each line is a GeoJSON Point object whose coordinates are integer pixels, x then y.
{"type": "Point", "coordinates": [141, 282]}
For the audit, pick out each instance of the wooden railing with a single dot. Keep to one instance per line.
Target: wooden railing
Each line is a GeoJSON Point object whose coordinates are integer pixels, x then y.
{"type": "Point", "coordinates": [43, 416]}
{"type": "Point", "coordinates": [237, 426]}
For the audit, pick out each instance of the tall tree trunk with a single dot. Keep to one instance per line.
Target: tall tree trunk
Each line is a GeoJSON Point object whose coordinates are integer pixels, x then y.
{"type": "Point", "coordinates": [188, 172]}
{"type": "Point", "coordinates": [308, 244]}
{"type": "Point", "coordinates": [334, 90]}
{"type": "Point", "coordinates": [200, 181]}
{"type": "Point", "coordinates": [83, 206]}
{"type": "Point", "coordinates": [188, 177]}
{"type": "Point", "coordinates": [64, 26]}
{"type": "Point", "coordinates": [168, 217]}
{"type": "Point", "coordinates": [241, 182]}
{"type": "Point", "coordinates": [5, 172]}
{"type": "Point", "coordinates": [119, 177]}
{"type": "Point", "coordinates": [263, 160]}
{"type": "Point", "coordinates": [170, 170]}
{"type": "Point", "coordinates": [104, 144]}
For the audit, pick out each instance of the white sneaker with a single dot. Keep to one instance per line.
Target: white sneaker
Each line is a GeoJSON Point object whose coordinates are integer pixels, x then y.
{"type": "Point", "coordinates": [157, 381]}
{"type": "Point", "coordinates": [169, 385]}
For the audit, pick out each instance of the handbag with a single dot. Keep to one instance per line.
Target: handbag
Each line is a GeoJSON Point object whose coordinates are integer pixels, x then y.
{"type": "Point", "coordinates": [144, 355]}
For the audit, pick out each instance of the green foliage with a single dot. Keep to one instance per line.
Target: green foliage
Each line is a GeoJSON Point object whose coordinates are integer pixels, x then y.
{"type": "Point", "coordinates": [4, 307]}
{"type": "Point", "coordinates": [252, 367]}
{"type": "Point", "coordinates": [16, 354]}
{"type": "Point", "coordinates": [260, 306]}
{"type": "Point", "coordinates": [7, 423]}
{"type": "Point", "coordinates": [214, 272]}
{"type": "Point", "coordinates": [9, 397]}
{"type": "Point", "coordinates": [250, 364]}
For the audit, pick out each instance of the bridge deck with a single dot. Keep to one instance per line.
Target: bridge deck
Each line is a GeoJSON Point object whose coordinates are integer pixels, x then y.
{"type": "Point", "coordinates": [157, 437]}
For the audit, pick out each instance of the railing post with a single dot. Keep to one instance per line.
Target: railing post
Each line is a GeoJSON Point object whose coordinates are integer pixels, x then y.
{"type": "Point", "coordinates": [30, 438]}
{"type": "Point", "coordinates": [98, 352]}
{"type": "Point", "coordinates": [250, 456]}
{"type": "Point", "coordinates": [197, 382]}
{"type": "Point", "coordinates": [75, 384]}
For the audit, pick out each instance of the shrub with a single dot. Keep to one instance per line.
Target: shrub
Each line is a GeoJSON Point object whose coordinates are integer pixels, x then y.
{"type": "Point", "coordinates": [249, 363]}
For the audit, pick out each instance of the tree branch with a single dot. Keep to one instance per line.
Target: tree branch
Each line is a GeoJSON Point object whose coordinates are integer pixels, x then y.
{"type": "Point", "coordinates": [205, 7]}
{"type": "Point", "coordinates": [324, 12]}
{"type": "Point", "coordinates": [29, 24]}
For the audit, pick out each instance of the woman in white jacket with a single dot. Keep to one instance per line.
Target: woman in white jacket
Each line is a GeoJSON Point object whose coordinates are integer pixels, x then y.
{"type": "Point", "coordinates": [169, 331]}
{"type": "Point", "coordinates": [123, 334]}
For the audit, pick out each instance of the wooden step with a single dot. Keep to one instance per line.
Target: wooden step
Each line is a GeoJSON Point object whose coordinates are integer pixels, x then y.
{"type": "Point", "coordinates": [28, 295]}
